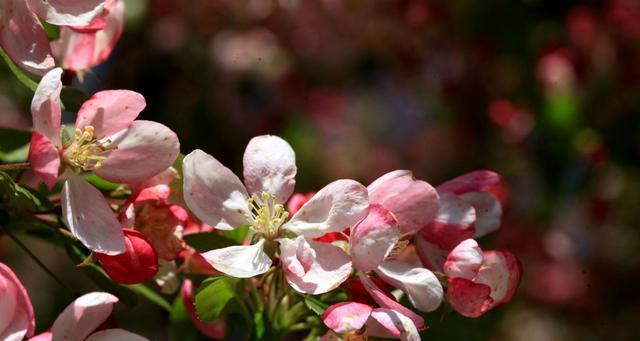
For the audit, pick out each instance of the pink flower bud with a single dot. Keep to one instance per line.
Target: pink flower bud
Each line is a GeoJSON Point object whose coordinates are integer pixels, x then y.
{"type": "Point", "coordinates": [137, 264]}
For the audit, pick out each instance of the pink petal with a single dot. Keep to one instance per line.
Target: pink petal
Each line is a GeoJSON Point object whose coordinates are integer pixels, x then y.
{"type": "Point", "coordinates": [23, 38]}
{"type": "Point", "coordinates": [488, 211]}
{"type": "Point", "coordinates": [413, 202]}
{"type": "Point", "coordinates": [325, 273]}
{"type": "Point", "coordinates": [373, 238]}
{"type": "Point", "coordinates": [45, 106]}
{"type": "Point", "coordinates": [44, 158]}
{"type": "Point", "coordinates": [240, 261]}
{"type": "Point", "coordinates": [502, 272]}
{"type": "Point", "coordinates": [453, 224]}
{"type": "Point", "coordinates": [296, 202]}
{"type": "Point", "coordinates": [89, 217]}
{"type": "Point", "coordinates": [431, 256]}
{"type": "Point", "coordinates": [476, 181]}
{"type": "Point", "coordinates": [296, 255]}
{"type": "Point", "coordinates": [388, 323]}
{"type": "Point", "coordinates": [421, 286]}
{"type": "Point", "coordinates": [115, 334]}
{"type": "Point", "coordinates": [17, 318]}
{"type": "Point", "coordinates": [212, 192]}
{"type": "Point", "coordinates": [270, 166]}
{"type": "Point", "coordinates": [468, 298]}
{"type": "Point", "coordinates": [215, 329]}
{"type": "Point", "coordinates": [67, 12]}
{"type": "Point", "coordinates": [83, 316]}
{"type": "Point", "coordinates": [345, 317]}
{"type": "Point", "coordinates": [110, 111]}
{"type": "Point", "coordinates": [464, 261]}
{"type": "Point", "coordinates": [144, 150]}
{"type": "Point", "coordinates": [45, 336]}
{"type": "Point", "coordinates": [382, 181]}
{"type": "Point", "coordinates": [338, 205]}
{"type": "Point", "coordinates": [385, 302]}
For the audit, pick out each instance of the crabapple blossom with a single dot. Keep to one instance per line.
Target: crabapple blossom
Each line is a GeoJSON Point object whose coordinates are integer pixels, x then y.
{"type": "Point", "coordinates": [137, 264]}
{"type": "Point", "coordinates": [219, 198]}
{"type": "Point", "coordinates": [215, 329]}
{"type": "Point", "coordinates": [24, 39]}
{"type": "Point", "coordinates": [16, 312]}
{"type": "Point", "coordinates": [108, 141]}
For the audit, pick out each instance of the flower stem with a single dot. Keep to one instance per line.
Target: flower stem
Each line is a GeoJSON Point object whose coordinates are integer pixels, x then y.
{"type": "Point", "coordinates": [13, 166]}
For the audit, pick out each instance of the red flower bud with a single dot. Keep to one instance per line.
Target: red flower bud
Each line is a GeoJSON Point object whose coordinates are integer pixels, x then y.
{"type": "Point", "coordinates": [137, 264]}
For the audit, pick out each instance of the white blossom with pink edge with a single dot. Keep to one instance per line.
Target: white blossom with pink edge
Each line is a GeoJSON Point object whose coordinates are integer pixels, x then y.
{"type": "Point", "coordinates": [16, 312]}
{"type": "Point", "coordinates": [24, 39]}
{"type": "Point", "coordinates": [218, 197]}
{"type": "Point", "coordinates": [108, 141]}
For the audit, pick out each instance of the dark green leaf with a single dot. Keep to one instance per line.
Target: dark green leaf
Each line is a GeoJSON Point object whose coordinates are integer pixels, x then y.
{"type": "Point", "coordinates": [213, 296]}
{"type": "Point", "coordinates": [53, 31]}
{"type": "Point", "coordinates": [238, 234]}
{"type": "Point", "coordinates": [19, 199]}
{"type": "Point", "coordinates": [208, 241]}
{"type": "Point", "coordinates": [315, 305]}
{"type": "Point", "coordinates": [181, 324]}
{"type": "Point", "coordinates": [21, 75]}
{"type": "Point", "coordinates": [12, 141]}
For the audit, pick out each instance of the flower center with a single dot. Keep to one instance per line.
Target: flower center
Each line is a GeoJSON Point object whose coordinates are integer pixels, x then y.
{"type": "Point", "coordinates": [265, 215]}
{"type": "Point", "coordinates": [87, 153]}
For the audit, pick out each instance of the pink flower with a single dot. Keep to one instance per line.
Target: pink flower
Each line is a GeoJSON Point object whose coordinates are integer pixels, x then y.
{"type": "Point", "coordinates": [108, 141]}
{"type": "Point", "coordinates": [81, 318]}
{"type": "Point", "coordinates": [82, 47]}
{"type": "Point", "coordinates": [216, 196]}
{"type": "Point", "coordinates": [24, 39]}
{"type": "Point", "coordinates": [137, 264]}
{"type": "Point", "coordinates": [468, 209]}
{"type": "Point", "coordinates": [16, 312]}
{"type": "Point", "coordinates": [479, 281]}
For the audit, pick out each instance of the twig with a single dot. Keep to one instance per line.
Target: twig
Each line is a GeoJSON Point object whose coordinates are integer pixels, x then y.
{"type": "Point", "coordinates": [12, 166]}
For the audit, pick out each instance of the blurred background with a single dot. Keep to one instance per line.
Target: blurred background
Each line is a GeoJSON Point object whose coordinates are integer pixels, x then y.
{"type": "Point", "coordinates": [544, 92]}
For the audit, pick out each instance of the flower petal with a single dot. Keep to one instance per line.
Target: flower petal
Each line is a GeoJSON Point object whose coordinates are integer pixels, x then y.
{"type": "Point", "coordinates": [213, 192]}
{"type": "Point", "coordinates": [468, 298]}
{"type": "Point", "coordinates": [23, 38]}
{"type": "Point", "coordinates": [389, 323]}
{"type": "Point", "coordinates": [476, 181]}
{"type": "Point", "coordinates": [89, 217]}
{"type": "Point", "coordinates": [421, 286]}
{"type": "Point", "coordinates": [338, 205]}
{"type": "Point", "coordinates": [345, 317]}
{"type": "Point", "coordinates": [240, 261]}
{"type": "Point", "coordinates": [501, 271]}
{"type": "Point", "coordinates": [115, 334]}
{"type": "Point", "coordinates": [110, 111]}
{"type": "Point", "coordinates": [16, 310]}
{"type": "Point", "coordinates": [386, 302]}
{"type": "Point", "coordinates": [431, 256]}
{"type": "Point", "coordinates": [83, 316]}
{"type": "Point", "coordinates": [44, 158]}
{"type": "Point", "coordinates": [144, 150]}
{"type": "Point", "coordinates": [325, 273]}
{"type": "Point", "coordinates": [453, 224]}
{"type": "Point", "coordinates": [296, 255]}
{"type": "Point", "coordinates": [137, 264]}
{"type": "Point", "coordinates": [488, 211]}
{"type": "Point", "coordinates": [67, 12]}
{"type": "Point", "coordinates": [270, 166]}
{"type": "Point", "coordinates": [464, 261]}
{"type": "Point", "coordinates": [45, 106]}
{"type": "Point", "coordinates": [413, 202]}
{"type": "Point", "coordinates": [373, 238]}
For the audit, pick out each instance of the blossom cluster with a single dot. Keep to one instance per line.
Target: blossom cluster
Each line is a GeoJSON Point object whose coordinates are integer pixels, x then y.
{"type": "Point", "coordinates": [374, 257]}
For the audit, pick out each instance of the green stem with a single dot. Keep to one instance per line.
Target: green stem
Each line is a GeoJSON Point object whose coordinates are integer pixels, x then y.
{"type": "Point", "coordinates": [12, 166]}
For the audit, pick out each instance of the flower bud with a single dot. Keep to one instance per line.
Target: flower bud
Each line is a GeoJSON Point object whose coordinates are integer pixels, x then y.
{"type": "Point", "coordinates": [137, 264]}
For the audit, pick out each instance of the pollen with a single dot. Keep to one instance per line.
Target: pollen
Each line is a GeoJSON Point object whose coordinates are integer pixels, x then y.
{"type": "Point", "coordinates": [86, 153]}
{"type": "Point", "coordinates": [265, 216]}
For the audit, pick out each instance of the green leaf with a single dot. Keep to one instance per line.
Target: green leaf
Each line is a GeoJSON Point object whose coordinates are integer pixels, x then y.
{"type": "Point", "coordinates": [21, 75]}
{"type": "Point", "coordinates": [238, 234]}
{"type": "Point", "coordinates": [315, 305]}
{"type": "Point", "coordinates": [208, 241]}
{"type": "Point", "coordinates": [258, 324]}
{"type": "Point", "coordinates": [19, 199]}
{"type": "Point", "coordinates": [53, 31]}
{"type": "Point", "coordinates": [181, 324]}
{"type": "Point", "coordinates": [213, 296]}
{"type": "Point", "coordinates": [150, 295]}
{"type": "Point", "coordinates": [12, 141]}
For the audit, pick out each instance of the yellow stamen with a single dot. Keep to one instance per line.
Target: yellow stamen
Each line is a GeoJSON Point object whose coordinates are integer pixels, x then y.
{"type": "Point", "coordinates": [265, 216]}
{"type": "Point", "coordinates": [86, 153]}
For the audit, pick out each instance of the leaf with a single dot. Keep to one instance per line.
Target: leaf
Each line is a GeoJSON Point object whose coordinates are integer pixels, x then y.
{"type": "Point", "coordinates": [238, 234]}
{"type": "Point", "coordinates": [21, 75]}
{"type": "Point", "coordinates": [208, 241]}
{"type": "Point", "coordinates": [20, 199]}
{"type": "Point", "coordinates": [315, 305]}
{"type": "Point", "coordinates": [11, 141]}
{"type": "Point", "coordinates": [53, 31]}
{"type": "Point", "coordinates": [181, 324]}
{"type": "Point", "coordinates": [258, 323]}
{"type": "Point", "coordinates": [213, 296]}
{"type": "Point", "coordinates": [150, 295]}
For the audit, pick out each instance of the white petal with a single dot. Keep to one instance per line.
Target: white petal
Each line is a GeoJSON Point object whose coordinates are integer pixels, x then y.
{"type": "Point", "coordinates": [115, 335]}
{"type": "Point", "coordinates": [421, 286]}
{"type": "Point", "coordinates": [389, 323]}
{"type": "Point", "coordinates": [270, 166]}
{"type": "Point", "coordinates": [89, 217]}
{"type": "Point", "coordinates": [488, 211]}
{"type": "Point", "coordinates": [83, 316]}
{"type": "Point", "coordinates": [213, 192]}
{"type": "Point", "coordinates": [67, 12]}
{"type": "Point", "coordinates": [339, 205]}
{"type": "Point", "coordinates": [45, 106]}
{"type": "Point", "coordinates": [240, 261]}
